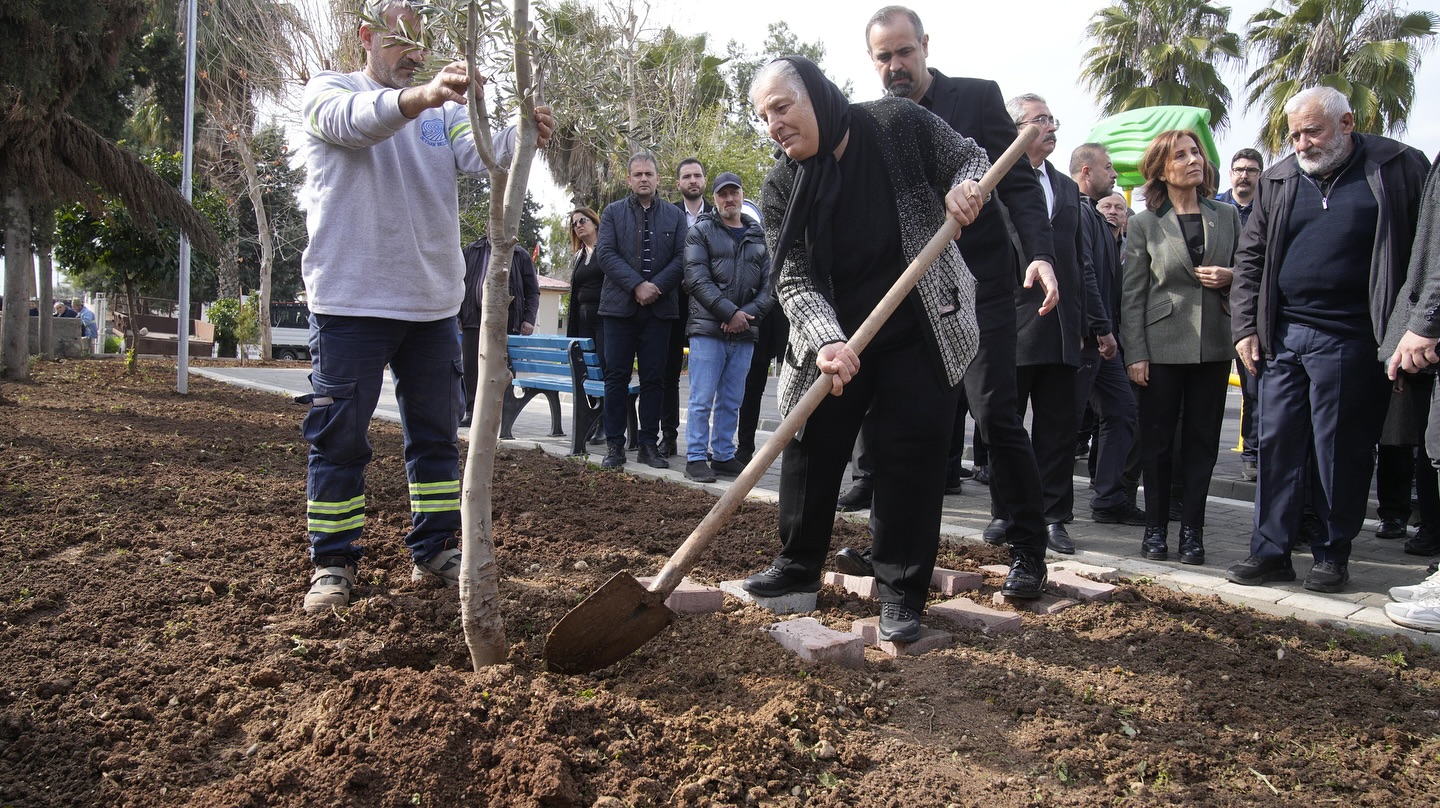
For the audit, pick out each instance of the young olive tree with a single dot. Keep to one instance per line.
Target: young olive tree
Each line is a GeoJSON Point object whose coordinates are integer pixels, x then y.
{"type": "Point", "coordinates": [501, 51]}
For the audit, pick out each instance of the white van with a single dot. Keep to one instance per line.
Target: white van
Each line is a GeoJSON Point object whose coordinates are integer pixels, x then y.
{"type": "Point", "coordinates": [289, 331]}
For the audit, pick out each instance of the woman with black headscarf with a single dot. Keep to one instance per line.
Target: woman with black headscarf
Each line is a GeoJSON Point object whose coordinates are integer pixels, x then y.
{"type": "Point", "coordinates": [859, 192]}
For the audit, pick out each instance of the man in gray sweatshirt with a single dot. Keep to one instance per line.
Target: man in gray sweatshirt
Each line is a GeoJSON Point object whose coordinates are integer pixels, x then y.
{"type": "Point", "coordinates": [384, 278]}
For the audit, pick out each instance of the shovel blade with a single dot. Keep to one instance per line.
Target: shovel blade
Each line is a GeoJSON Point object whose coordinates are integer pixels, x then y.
{"type": "Point", "coordinates": [606, 627]}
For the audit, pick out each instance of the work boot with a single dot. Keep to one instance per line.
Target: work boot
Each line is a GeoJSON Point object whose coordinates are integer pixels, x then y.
{"type": "Point", "coordinates": [444, 567]}
{"type": "Point", "coordinates": [330, 584]}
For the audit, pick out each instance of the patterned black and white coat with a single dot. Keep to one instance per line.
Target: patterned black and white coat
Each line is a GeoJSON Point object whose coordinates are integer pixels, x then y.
{"type": "Point", "coordinates": [925, 158]}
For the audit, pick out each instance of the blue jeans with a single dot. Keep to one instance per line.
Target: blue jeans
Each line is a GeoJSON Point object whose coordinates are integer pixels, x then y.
{"type": "Point", "coordinates": [348, 359]}
{"type": "Point", "coordinates": [641, 339]}
{"type": "Point", "coordinates": [717, 386]}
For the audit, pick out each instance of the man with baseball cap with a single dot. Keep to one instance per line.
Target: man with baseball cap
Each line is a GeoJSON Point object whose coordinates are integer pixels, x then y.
{"type": "Point", "coordinates": [727, 269]}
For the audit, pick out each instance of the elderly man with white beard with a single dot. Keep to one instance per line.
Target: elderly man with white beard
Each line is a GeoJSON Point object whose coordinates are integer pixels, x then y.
{"type": "Point", "coordinates": [1321, 261]}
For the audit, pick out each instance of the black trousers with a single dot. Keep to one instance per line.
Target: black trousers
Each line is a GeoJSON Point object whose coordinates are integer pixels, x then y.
{"type": "Point", "coordinates": [1103, 384]}
{"type": "Point", "coordinates": [1050, 389]}
{"type": "Point", "coordinates": [990, 388]}
{"type": "Point", "coordinates": [913, 413]}
{"type": "Point", "coordinates": [674, 363]}
{"type": "Point", "coordinates": [1200, 389]}
{"type": "Point", "coordinates": [774, 332]}
{"type": "Point", "coordinates": [1397, 467]}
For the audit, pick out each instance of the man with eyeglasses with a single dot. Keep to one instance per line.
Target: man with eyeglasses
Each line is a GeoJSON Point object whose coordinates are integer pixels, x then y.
{"type": "Point", "coordinates": [1245, 168]}
{"type": "Point", "coordinates": [1317, 275]}
{"type": "Point", "coordinates": [898, 47]}
{"type": "Point", "coordinates": [1048, 353]}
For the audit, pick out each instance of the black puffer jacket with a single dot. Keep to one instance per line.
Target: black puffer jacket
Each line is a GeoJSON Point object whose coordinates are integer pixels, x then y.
{"type": "Point", "coordinates": [722, 277]}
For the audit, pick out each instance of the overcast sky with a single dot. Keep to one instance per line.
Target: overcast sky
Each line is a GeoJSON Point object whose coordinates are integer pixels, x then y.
{"type": "Point", "coordinates": [1028, 46]}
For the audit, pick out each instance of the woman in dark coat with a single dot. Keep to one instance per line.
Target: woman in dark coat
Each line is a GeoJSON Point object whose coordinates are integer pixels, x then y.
{"type": "Point", "coordinates": [586, 278]}
{"type": "Point", "coordinates": [861, 189]}
{"type": "Point", "coordinates": [1175, 326]}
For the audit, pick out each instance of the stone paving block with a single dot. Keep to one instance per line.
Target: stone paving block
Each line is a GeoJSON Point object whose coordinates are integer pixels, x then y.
{"type": "Point", "coordinates": [968, 613]}
{"type": "Point", "coordinates": [930, 639]}
{"type": "Point", "coordinates": [1250, 595]}
{"type": "Point", "coordinates": [953, 582]}
{"type": "Point", "coordinates": [812, 641]}
{"type": "Point", "coordinates": [690, 597]}
{"type": "Point", "coordinates": [863, 586]}
{"type": "Point", "coordinates": [1046, 604]}
{"type": "Point", "coordinates": [1081, 589]}
{"type": "Point", "coordinates": [996, 569]}
{"type": "Point", "coordinates": [1332, 606]}
{"type": "Point", "coordinates": [785, 604]}
{"type": "Point", "coordinates": [1092, 571]}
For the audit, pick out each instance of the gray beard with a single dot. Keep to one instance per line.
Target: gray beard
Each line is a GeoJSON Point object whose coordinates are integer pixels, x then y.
{"type": "Point", "coordinates": [1327, 162]}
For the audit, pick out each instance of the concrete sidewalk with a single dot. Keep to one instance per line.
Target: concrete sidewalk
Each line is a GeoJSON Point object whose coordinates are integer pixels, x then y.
{"type": "Point", "coordinates": [1375, 565]}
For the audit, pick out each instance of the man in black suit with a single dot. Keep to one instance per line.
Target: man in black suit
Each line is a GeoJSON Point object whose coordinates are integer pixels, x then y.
{"type": "Point", "coordinates": [898, 48]}
{"type": "Point", "coordinates": [1048, 351]}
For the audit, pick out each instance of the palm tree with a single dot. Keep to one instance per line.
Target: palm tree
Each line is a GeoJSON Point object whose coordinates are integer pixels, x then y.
{"type": "Point", "coordinates": [48, 156]}
{"type": "Point", "coordinates": [1157, 52]}
{"type": "Point", "coordinates": [1367, 49]}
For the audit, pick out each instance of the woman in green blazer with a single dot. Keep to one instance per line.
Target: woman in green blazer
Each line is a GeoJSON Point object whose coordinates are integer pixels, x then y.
{"type": "Point", "coordinates": [1175, 332]}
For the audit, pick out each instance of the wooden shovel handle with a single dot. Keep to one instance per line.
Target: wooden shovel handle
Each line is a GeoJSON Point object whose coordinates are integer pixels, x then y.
{"type": "Point", "coordinates": [688, 555]}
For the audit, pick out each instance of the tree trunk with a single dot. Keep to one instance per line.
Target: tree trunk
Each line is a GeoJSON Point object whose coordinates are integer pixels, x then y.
{"type": "Point", "coordinates": [132, 323]}
{"type": "Point", "coordinates": [15, 355]}
{"type": "Point", "coordinates": [227, 263]}
{"type": "Point", "coordinates": [42, 224]}
{"type": "Point", "coordinates": [262, 232]}
{"type": "Point", "coordinates": [479, 576]}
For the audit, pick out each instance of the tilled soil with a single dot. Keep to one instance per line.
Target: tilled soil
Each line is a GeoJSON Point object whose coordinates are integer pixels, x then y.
{"type": "Point", "coordinates": [152, 565]}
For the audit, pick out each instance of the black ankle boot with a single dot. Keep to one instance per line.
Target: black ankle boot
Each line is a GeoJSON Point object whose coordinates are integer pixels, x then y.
{"type": "Point", "coordinates": [1155, 545]}
{"type": "Point", "coordinates": [1192, 545]}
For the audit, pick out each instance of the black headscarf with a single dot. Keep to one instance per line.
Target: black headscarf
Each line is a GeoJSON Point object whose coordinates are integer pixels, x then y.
{"type": "Point", "coordinates": [817, 178]}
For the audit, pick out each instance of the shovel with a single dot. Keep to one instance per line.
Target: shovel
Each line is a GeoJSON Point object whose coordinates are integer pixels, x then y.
{"type": "Point", "coordinates": [623, 615]}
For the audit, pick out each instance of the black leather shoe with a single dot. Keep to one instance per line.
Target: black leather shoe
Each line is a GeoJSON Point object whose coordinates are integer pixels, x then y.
{"type": "Point", "coordinates": [898, 623]}
{"type": "Point", "coordinates": [982, 475]}
{"type": "Point", "coordinates": [1123, 514]}
{"type": "Point", "coordinates": [858, 498]}
{"type": "Point", "coordinates": [730, 468]}
{"type": "Point", "coordinates": [1255, 570]}
{"type": "Point", "coordinates": [774, 582]}
{"type": "Point", "coordinates": [995, 532]}
{"type": "Point", "coordinates": [465, 421]}
{"type": "Point", "coordinates": [1026, 580]}
{"type": "Point", "coordinates": [963, 473]}
{"type": "Point", "coordinates": [614, 457]}
{"type": "Point", "coordinates": [1391, 528]}
{"type": "Point", "coordinates": [1156, 545]}
{"type": "Point", "coordinates": [650, 456]}
{"type": "Point", "coordinates": [1058, 539]}
{"type": "Point", "coordinates": [854, 562]}
{"type": "Point", "coordinates": [1192, 545]}
{"type": "Point", "coordinates": [954, 485]}
{"type": "Point", "coordinates": [699, 471]}
{"type": "Point", "coordinates": [1327, 576]}
{"type": "Point", "coordinates": [666, 446]}
{"type": "Point", "coordinates": [1426, 542]}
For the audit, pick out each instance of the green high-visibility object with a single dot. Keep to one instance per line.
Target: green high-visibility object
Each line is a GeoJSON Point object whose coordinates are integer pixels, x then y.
{"type": "Point", "coordinates": [1127, 134]}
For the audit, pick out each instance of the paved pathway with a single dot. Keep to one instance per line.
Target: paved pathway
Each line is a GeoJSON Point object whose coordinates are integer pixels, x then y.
{"type": "Point", "coordinates": [1375, 564]}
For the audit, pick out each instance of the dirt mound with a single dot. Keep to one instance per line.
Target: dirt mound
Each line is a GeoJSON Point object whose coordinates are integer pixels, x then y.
{"type": "Point", "coordinates": [156, 655]}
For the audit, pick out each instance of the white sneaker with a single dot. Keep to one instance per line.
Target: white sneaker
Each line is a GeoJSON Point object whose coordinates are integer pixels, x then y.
{"type": "Point", "coordinates": [1422, 614]}
{"type": "Point", "coordinates": [1430, 587]}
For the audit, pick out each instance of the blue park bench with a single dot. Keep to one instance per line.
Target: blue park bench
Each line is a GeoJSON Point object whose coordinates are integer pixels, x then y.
{"type": "Point", "coordinates": [549, 365]}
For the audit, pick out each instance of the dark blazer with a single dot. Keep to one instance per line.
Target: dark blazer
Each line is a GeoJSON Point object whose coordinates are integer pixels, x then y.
{"type": "Point", "coordinates": [1396, 175]}
{"type": "Point", "coordinates": [1169, 317]}
{"type": "Point", "coordinates": [976, 109]}
{"type": "Point", "coordinates": [1104, 255]}
{"type": "Point", "coordinates": [619, 253]}
{"type": "Point", "coordinates": [1055, 340]}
